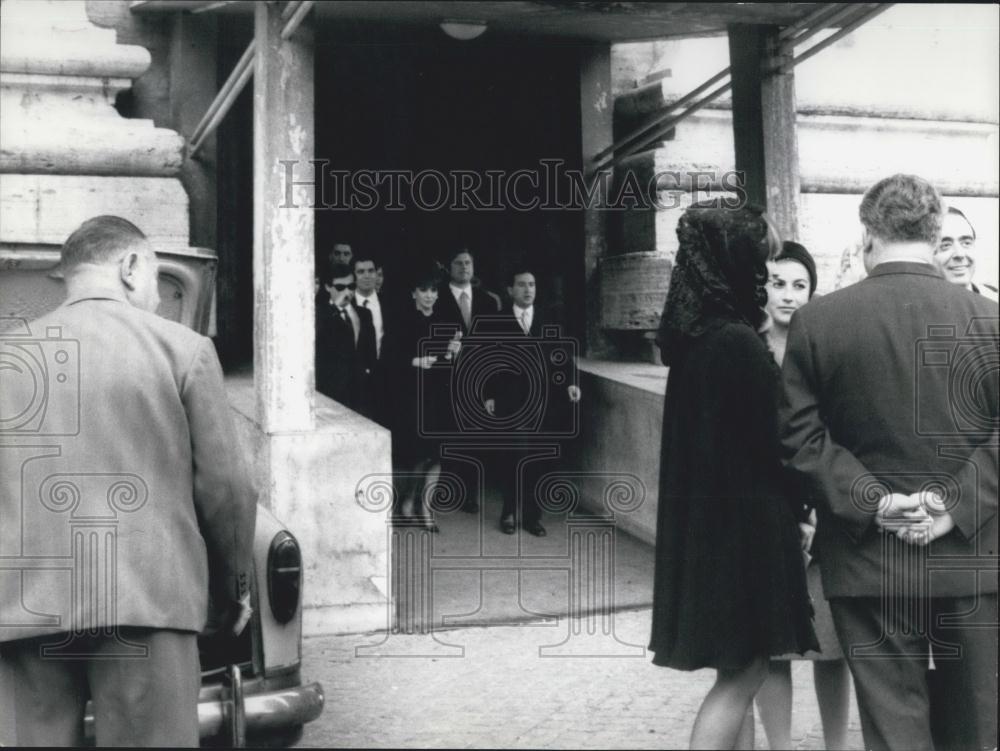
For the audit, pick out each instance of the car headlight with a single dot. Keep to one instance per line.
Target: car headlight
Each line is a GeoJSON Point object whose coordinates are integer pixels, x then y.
{"type": "Point", "coordinates": [284, 576]}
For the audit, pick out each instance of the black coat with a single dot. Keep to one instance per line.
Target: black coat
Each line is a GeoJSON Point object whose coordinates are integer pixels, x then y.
{"type": "Point", "coordinates": [530, 390]}
{"type": "Point", "coordinates": [729, 582]}
{"type": "Point", "coordinates": [419, 408]}
{"type": "Point", "coordinates": [344, 369]}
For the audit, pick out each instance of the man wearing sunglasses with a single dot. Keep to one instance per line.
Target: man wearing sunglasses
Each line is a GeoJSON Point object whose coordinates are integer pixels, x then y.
{"type": "Point", "coordinates": [345, 343]}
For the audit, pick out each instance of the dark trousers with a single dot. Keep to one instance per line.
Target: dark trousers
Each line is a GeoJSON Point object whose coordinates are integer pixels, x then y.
{"type": "Point", "coordinates": [903, 705]}
{"type": "Point", "coordinates": [522, 469]}
{"type": "Point", "coordinates": [149, 700]}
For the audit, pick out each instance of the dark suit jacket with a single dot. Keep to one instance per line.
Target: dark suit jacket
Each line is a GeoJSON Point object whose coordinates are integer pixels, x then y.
{"type": "Point", "coordinates": [482, 305]}
{"type": "Point", "coordinates": [345, 368]}
{"type": "Point", "coordinates": [133, 472]}
{"type": "Point", "coordinates": [892, 383]}
{"type": "Point", "coordinates": [543, 405]}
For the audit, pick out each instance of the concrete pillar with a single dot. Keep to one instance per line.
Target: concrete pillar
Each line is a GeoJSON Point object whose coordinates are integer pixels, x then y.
{"type": "Point", "coordinates": [322, 469]}
{"type": "Point", "coordinates": [764, 124]}
{"type": "Point", "coordinates": [284, 310]}
{"type": "Point", "coordinates": [596, 133]}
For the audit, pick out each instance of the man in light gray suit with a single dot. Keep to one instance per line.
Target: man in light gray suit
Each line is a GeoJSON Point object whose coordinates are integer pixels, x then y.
{"type": "Point", "coordinates": [124, 502]}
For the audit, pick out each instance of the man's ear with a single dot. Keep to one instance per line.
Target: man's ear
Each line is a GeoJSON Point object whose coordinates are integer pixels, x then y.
{"type": "Point", "coordinates": [129, 268]}
{"type": "Point", "coordinates": [510, 292]}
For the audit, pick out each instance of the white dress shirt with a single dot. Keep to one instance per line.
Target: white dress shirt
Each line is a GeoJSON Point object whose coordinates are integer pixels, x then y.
{"type": "Point", "coordinates": [524, 317]}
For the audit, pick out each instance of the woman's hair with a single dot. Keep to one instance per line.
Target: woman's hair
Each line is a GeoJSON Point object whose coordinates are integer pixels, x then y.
{"type": "Point", "coordinates": [719, 273]}
{"type": "Point", "coordinates": [425, 276]}
{"type": "Point", "coordinates": [792, 251]}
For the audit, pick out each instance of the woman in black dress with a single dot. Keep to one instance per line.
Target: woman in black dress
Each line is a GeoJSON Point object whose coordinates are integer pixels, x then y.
{"type": "Point", "coordinates": [419, 351]}
{"type": "Point", "coordinates": [729, 589]}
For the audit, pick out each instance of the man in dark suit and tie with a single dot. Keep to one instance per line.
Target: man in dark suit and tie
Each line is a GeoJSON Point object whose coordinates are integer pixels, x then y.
{"type": "Point", "coordinates": [128, 502]}
{"type": "Point", "coordinates": [346, 350]}
{"type": "Point", "coordinates": [367, 297]}
{"type": "Point", "coordinates": [461, 302]}
{"type": "Point", "coordinates": [535, 415]}
{"type": "Point", "coordinates": [890, 415]}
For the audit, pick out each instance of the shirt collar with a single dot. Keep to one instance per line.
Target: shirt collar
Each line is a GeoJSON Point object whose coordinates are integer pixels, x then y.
{"type": "Point", "coordinates": [97, 291]}
{"type": "Point", "coordinates": [906, 267]}
{"type": "Point", "coordinates": [372, 299]}
{"type": "Point", "coordinates": [457, 291]}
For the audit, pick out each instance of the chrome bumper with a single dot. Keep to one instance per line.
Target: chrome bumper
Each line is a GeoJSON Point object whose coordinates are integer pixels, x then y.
{"type": "Point", "coordinates": [267, 710]}
{"type": "Point", "coordinates": [264, 708]}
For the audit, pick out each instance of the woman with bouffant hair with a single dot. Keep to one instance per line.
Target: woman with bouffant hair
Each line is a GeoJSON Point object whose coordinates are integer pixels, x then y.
{"type": "Point", "coordinates": [729, 588]}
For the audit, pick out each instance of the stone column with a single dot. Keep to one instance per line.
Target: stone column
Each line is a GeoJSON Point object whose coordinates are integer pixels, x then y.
{"type": "Point", "coordinates": [764, 124]}
{"type": "Point", "coordinates": [596, 111]}
{"type": "Point", "coordinates": [284, 311]}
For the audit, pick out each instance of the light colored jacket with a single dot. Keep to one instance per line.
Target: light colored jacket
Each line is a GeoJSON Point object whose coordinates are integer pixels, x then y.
{"type": "Point", "coordinates": [122, 490]}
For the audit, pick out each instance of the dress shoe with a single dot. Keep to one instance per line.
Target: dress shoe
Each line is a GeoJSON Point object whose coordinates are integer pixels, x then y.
{"type": "Point", "coordinates": [507, 525]}
{"type": "Point", "coordinates": [536, 529]}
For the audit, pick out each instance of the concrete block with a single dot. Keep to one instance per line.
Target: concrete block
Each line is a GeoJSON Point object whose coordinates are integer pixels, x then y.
{"type": "Point", "coordinates": [310, 481]}
{"type": "Point", "coordinates": [620, 425]}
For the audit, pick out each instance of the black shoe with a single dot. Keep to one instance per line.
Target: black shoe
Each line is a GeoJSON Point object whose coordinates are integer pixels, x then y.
{"type": "Point", "coordinates": [471, 507]}
{"type": "Point", "coordinates": [536, 529]}
{"type": "Point", "coordinates": [507, 525]}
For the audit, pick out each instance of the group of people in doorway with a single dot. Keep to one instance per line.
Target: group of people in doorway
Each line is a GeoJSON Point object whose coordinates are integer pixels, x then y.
{"type": "Point", "coordinates": [829, 477]}
{"type": "Point", "coordinates": [394, 359]}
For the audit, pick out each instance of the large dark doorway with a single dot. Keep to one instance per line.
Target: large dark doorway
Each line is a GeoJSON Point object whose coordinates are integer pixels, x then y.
{"type": "Point", "coordinates": [403, 100]}
{"type": "Point", "coordinates": [399, 102]}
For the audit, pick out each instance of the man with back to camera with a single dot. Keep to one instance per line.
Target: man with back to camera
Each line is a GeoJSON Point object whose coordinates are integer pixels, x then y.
{"type": "Point", "coordinates": [511, 391]}
{"type": "Point", "coordinates": [872, 423]}
{"type": "Point", "coordinates": [153, 454]}
{"type": "Point", "coordinates": [955, 255]}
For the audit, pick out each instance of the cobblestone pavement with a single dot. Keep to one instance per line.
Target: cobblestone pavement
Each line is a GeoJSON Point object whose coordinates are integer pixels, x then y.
{"type": "Point", "coordinates": [500, 687]}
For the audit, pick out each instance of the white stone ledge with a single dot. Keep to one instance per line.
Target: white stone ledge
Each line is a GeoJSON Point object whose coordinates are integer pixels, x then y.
{"type": "Point", "coordinates": [45, 209]}
{"type": "Point", "coordinates": [27, 92]}
{"type": "Point", "coordinates": [835, 152]}
{"type": "Point", "coordinates": [89, 146]}
{"type": "Point", "coordinates": [60, 54]}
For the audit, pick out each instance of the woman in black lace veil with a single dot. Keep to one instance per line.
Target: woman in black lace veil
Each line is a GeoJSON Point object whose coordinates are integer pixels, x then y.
{"type": "Point", "coordinates": [729, 589]}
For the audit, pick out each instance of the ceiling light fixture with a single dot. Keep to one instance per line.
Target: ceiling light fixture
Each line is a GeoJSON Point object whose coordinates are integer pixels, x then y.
{"type": "Point", "coordinates": [463, 30]}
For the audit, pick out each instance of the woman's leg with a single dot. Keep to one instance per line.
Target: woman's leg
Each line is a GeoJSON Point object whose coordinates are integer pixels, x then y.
{"type": "Point", "coordinates": [432, 471]}
{"type": "Point", "coordinates": [833, 692]}
{"type": "Point", "coordinates": [745, 738]}
{"type": "Point", "coordinates": [774, 702]}
{"type": "Point", "coordinates": [722, 712]}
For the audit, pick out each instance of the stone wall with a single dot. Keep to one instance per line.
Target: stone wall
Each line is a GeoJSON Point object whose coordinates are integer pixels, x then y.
{"type": "Point", "coordinates": [893, 96]}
